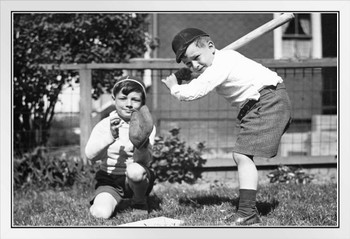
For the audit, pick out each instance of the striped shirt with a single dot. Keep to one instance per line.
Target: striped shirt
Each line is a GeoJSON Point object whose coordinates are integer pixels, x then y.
{"type": "Point", "coordinates": [113, 153]}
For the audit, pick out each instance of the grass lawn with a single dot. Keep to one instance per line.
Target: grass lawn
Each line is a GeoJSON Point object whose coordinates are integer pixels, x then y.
{"type": "Point", "coordinates": [200, 205]}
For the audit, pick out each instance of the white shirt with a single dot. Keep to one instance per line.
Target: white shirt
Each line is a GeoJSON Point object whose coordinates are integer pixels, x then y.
{"type": "Point", "coordinates": [234, 76]}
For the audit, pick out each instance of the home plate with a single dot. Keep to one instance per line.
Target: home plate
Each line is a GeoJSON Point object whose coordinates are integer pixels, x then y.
{"type": "Point", "coordinates": [155, 222]}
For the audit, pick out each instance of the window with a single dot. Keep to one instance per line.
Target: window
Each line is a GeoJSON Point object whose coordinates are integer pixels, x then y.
{"type": "Point", "coordinates": [297, 38]}
{"type": "Point", "coordinates": [298, 28]}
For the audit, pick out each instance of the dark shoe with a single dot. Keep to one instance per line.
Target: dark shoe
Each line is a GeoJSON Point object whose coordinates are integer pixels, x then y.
{"type": "Point", "coordinates": [140, 209]}
{"type": "Point", "coordinates": [237, 220]}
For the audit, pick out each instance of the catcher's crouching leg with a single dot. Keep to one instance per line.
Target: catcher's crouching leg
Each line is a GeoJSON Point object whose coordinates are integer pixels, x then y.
{"type": "Point", "coordinates": [141, 126]}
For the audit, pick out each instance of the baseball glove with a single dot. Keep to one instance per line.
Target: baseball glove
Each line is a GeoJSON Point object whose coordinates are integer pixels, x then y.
{"type": "Point", "coordinates": [141, 126]}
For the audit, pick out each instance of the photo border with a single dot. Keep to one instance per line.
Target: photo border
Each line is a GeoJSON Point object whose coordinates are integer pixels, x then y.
{"type": "Point", "coordinates": [7, 7]}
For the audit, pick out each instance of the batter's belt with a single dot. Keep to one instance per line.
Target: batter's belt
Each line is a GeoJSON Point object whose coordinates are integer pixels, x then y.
{"type": "Point", "coordinates": [249, 104]}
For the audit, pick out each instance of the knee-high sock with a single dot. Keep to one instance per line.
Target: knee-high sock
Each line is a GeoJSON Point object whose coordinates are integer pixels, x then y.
{"type": "Point", "coordinates": [247, 202]}
{"type": "Point", "coordinates": [139, 189]}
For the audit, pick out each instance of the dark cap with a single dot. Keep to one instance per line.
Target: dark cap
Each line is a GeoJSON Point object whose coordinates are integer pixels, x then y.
{"type": "Point", "coordinates": [183, 39]}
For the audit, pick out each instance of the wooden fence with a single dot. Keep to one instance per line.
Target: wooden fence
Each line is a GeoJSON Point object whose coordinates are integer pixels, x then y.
{"type": "Point", "coordinates": [170, 65]}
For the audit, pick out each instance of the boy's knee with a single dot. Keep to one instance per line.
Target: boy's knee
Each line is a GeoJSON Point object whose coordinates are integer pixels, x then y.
{"type": "Point", "coordinates": [236, 157]}
{"type": "Point", "coordinates": [103, 206]}
{"type": "Point", "coordinates": [136, 173]}
{"type": "Point", "coordinates": [239, 158]}
{"type": "Point", "coordinates": [101, 212]}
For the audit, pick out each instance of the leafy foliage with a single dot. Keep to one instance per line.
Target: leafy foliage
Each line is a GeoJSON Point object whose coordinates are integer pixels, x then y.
{"type": "Point", "coordinates": [43, 38]}
{"type": "Point", "coordinates": [285, 174]}
{"type": "Point", "coordinates": [40, 171]}
{"type": "Point", "coordinates": [173, 161]}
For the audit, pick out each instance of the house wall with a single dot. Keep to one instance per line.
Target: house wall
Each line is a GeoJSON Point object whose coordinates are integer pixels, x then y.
{"type": "Point", "coordinates": [224, 28]}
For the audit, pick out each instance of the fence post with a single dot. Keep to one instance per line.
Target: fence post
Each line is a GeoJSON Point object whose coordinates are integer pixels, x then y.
{"type": "Point", "coordinates": [85, 109]}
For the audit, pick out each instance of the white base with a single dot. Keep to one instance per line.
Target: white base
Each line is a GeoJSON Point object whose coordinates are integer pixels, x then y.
{"type": "Point", "coordinates": [155, 222]}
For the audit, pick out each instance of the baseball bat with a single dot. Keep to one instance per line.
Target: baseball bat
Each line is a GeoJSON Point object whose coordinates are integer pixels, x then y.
{"type": "Point", "coordinates": [262, 30]}
{"type": "Point", "coordinates": [186, 74]}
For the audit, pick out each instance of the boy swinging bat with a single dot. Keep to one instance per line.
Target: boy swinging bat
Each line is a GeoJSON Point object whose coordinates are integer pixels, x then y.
{"type": "Point", "coordinates": [259, 93]}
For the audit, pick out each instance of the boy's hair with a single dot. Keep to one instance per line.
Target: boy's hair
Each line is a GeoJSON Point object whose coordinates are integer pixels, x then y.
{"type": "Point", "coordinates": [127, 85]}
{"type": "Point", "coordinates": [201, 41]}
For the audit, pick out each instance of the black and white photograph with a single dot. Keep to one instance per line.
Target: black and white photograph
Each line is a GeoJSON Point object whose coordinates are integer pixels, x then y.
{"type": "Point", "coordinates": [161, 120]}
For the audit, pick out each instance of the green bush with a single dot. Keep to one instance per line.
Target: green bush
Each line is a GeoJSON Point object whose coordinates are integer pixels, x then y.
{"type": "Point", "coordinates": [285, 174]}
{"type": "Point", "coordinates": [41, 171]}
{"type": "Point", "coordinates": [173, 161]}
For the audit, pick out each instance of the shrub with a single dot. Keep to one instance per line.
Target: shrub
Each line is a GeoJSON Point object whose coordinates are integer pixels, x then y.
{"type": "Point", "coordinates": [39, 170]}
{"type": "Point", "coordinates": [285, 174]}
{"type": "Point", "coordinates": [173, 161]}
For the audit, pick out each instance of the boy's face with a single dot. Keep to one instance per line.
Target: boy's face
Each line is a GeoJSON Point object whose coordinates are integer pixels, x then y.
{"type": "Point", "coordinates": [198, 59]}
{"type": "Point", "coordinates": [126, 104]}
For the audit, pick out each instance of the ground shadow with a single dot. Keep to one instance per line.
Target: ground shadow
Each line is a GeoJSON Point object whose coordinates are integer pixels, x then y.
{"type": "Point", "coordinates": [154, 202]}
{"type": "Point", "coordinates": [200, 201]}
{"type": "Point", "coordinates": [264, 207]}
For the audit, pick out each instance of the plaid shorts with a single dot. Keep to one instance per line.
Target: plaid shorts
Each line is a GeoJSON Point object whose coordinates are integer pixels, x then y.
{"type": "Point", "coordinates": [262, 123]}
{"type": "Point", "coordinates": [117, 185]}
